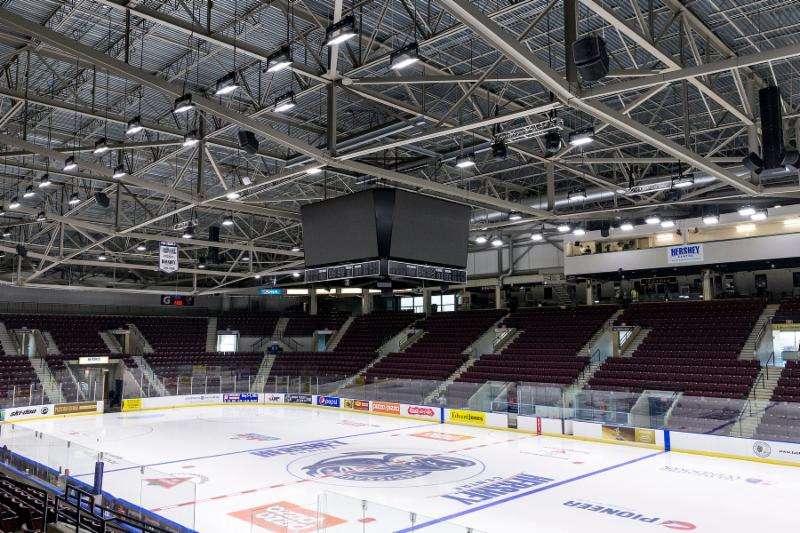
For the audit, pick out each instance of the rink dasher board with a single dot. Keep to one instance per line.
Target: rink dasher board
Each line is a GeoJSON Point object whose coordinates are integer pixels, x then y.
{"type": "Point", "coordinates": [772, 452]}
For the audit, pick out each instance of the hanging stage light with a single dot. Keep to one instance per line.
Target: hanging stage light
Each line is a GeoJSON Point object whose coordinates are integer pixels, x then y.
{"type": "Point", "coordinates": [183, 104]}
{"type": "Point", "coordinates": [28, 192]}
{"type": "Point", "coordinates": [581, 137]}
{"type": "Point", "coordinates": [481, 239]}
{"type": "Point", "coordinates": [74, 199]}
{"type": "Point", "coordinates": [45, 181]}
{"type": "Point", "coordinates": [119, 172]}
{"type": "Point", "coordinates": [134, 126]}
{"type": "Point", "coordinates": [341, 31]}
{"type": "Point", "coordinates": [279, 60]}
{"type": "Point", "coordinates": [285, 102]}
{"type": "Point", "coordinates": [465, 161]}
{"type": "Point", "coordinates": [14, 204]}
{"type": "Point", "coordinates": [537, 237]}
{"type": "Point", "coordinates": [69, 164]}
{"type": "Point", "coordinates": [626, 226]}
{"type": "Point", "coordinates": [227, 220]}
{"type": "Point", "coordinates": [226, 84]}
{"type": "Point", "coordinates": [101, 146]}
{"type": "Point", "coordinates": [191, 139]}
{"type": "Point", "coordinates": [404, 57]}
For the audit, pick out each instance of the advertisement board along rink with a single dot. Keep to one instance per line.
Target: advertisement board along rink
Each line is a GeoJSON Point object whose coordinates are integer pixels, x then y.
{"type": "Point", "coordinates": [264, 468]}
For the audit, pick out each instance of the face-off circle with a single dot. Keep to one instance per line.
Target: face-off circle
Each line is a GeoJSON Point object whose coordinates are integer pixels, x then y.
{"type": "Point", "coordinates": [394, 468]}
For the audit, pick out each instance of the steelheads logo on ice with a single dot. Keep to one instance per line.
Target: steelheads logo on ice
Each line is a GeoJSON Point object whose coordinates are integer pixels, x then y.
{"type": "Point", "coordinates": [329, 401]}
{"type": "Point", "coordinates": [299, 398]}
{"type": "Point", "coordinates": [621, 512]}
{"type": "Point", "coordinates": [383, 466]}
{"type": "Point", "coordinates": [488, 489]}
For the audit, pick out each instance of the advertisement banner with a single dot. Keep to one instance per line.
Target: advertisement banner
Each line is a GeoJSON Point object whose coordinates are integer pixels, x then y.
{"type": "Point", "coordinates": [626, 434]}
{"type": "Point", "coordinates": [299, 398]}
{"type": "Point", "coordinates": [420, 411]}
{"type": "Point", "coordinates": [356, 405]}
{"type": "Point", "coordinates": [200, 398]}
{"type": "Point", "coordinates": [274, 397]}
{"type": "Point", "coordinates": [686, 253]}
{"type": "Point", "coordinates": [329, 401]}
{"type": "Point", "coordinates": [389, 408]}
{"type": "Point", "coordinates": [18, 413]}
{"type": "Point", "coordinates": [473, 418]}
{"type": "Point", "coordinates": [168, 257]}
{"type": "Point", "coordinates": [132, 404]}
{"type": "Point", "coordinates": [73, 408]}
{"type": "Point", "coordinates": [241, 397]}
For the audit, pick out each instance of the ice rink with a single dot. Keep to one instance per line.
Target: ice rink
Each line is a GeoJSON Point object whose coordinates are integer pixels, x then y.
{"type": "Point", "coordinates": [264, 468]}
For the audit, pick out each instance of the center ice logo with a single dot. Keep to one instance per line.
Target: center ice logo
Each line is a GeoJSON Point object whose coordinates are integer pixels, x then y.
{"type": "Point", "coordinates": [383, 466]}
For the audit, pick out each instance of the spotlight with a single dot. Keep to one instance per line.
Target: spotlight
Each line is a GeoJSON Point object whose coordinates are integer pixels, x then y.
{"type": "Point", "coordinates": [45, 181]}
{"type": "Point", "coordinates": [626, 226]}
{"type": "Point", "coordinates": [563, 227]}
{"type": "Point", "coordinates": [119, 172]}
{"type": "Point", "coordinates": [41, 217]}
{"type": "Point", "coordinates": [285, 102]}
{"type": "Point", "coordinates": [579, 232]}
{"type": "Point", "coordinates": [245, 258]}
{"type": "Point", "coordinates": [481, 239]}
{"type": "Point", "coordinates": [2, 211]}
{"type": "Point", "coordinates": [465, 161]}
{"type": "Point", "coordinates": [14, 204]}
{"type": "Point", "coordinates": [141, 248]}
{"type": "Point", "coordinates": [227, 220]}
{"type": "Point", "coordinates": [499, 150]}
{"type": "Point", "coordinates": [313, 171]}
{"type": "Point", "coordinates": [667, 224]}
{"type": "Point", "coordinates": [537, 237]}
{"type": "Point", "coordinates": [514, 216]}
{"type": "Point", "coordinates": [295, 275]}
{"type": "Point", "coordinates": [69, 164]}
{"type": "Point", "coordinates": [134, 126]}
{"type": "Point", "coordinates": [682, 182]}
{"type": "Point", "coordinates": [295, 248]}
{"type": "Point", "coordinates": [28, 192]}
{"type": "Point", "coordinates": [497, 242]}
{"type": "Point", "coordinates": [759, 215]}
{"type": "Point", "coordinates": [257, 276]}
{"type": "Point", "coordinates": [652, 219]}
{"type": "Point", "coordinates": [710, 219]}
{"type": "Point", "coordinates": [102, 257]}
{"type": "Point", "coordinates": [233, 195]}
{"type": "Point", "coordinates": [226, 84]}
{"type": "Point", "coordinates": [404, 57]}
{"type": "Point", "coordinates": [101, 146]}
{"type": "Point", "coordinates": [279, 60]}
{"type": "Point", "coordinates": [201, 266]}
{"type": "Point", "coordinates": [74, 199]}
{"type": "Point", "coordinates": [341, 31]}
{"type": "Point", "coordinates": [183, 104]}
{"type": "Point", "coordinates": [577, 195]}
{"type": "Point", "coordinates": [581, 137]}
{"type": "Point", "coordinates": [552, 142]}
{"type": "Point", "coordinates": [189, 233]}
{"type": "Point", "coordinates": [747, 210]}
{"type": "Point", "coordinates": [191, 139]}
{"type": "Point", "coordinates": [6, 233]}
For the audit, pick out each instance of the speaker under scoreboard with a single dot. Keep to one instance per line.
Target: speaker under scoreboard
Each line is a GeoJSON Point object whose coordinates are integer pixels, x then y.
{"type": "Point", "coordinates": [384, 233]}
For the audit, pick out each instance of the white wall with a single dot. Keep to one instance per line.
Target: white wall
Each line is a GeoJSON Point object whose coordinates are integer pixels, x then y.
{"type": "Point", "coordinates": [540, 257]}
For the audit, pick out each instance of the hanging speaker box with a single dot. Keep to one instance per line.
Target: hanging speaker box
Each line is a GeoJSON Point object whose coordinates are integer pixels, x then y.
{"type": "Point", "coordinates": [590, 57]}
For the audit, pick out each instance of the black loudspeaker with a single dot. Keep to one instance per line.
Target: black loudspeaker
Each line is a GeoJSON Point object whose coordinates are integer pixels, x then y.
{"type": "Point", "coordinates": [22, 251]}
{"type": "Point", "coordinates": [248, 141]}
{"type": "Point", "coordinates": [213, 251]}
{"type": "Point", "coordinates": [590, 57]}
{"type": "Point", "coordinates": [769, 99]}
{"type": "Point", "coordinates": [102, 200]}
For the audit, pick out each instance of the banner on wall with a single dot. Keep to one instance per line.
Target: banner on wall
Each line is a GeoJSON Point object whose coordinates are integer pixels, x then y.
{"type": "Point", "coordinates": [686, 253]}
{"type": "Point", "coordinates": [132, 404]}
{"type": "Point", "coordinates": [461, 416]}
{"type": "Point", "coordinates": [168, 257]}
{"type": "Point", "coordinates": [299, 398]}
{"type": "Point", "coordinates": [356, 405]}
{"type": "Point", "coordinates": [388, 408]}
{"type": "Point", "coordinates": [73, 408]}
{"type": "Point", "coordinates": [626, 434]}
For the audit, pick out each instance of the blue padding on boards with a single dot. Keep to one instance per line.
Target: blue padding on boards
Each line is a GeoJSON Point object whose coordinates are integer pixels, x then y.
{"type": "Point", "coordinates": [667, 444]}
{"type": "Point", "coordinates": [441, 415]}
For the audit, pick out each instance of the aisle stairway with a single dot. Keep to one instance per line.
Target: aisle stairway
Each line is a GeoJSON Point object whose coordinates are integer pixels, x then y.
{"type": "Point", "coordinates": [340, 333]}
{"type": "Point", "coordinates": [7, 341]}
{"type": "Point", "coordinates": [111, 342]}
{"type": "Point", "coordinates": [562, 294]}
{"type": "Point", "coordinates": [263, 373]}
{"type": "Point", "coordinates": [751, 345]}
{"type": "Point", "coordinates": [759, 397]}
{"type": "Point", "coordinates": [588, 348]}
{"type": "Point", "coordinates": [150, 376]}
{"type": "Point", "coordinates": [47, 380]}
{"type": "Point", "coordinates": [583, 379]}
{"type": "Point", "coordinates": [211, 335]}
{"type": "Point", "coordinates": [51, 346]}
{"type": "Point", "coordinates": [636, 342]}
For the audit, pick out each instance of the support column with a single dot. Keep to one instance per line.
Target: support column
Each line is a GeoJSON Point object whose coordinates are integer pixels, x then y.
{"type": "Point", "coordinates": [312, 300]}
{"type": "Point", "coordinates": [426, 301]}
{"type": "Point", "coordinates": [589, 293]}
{"type": "Point", "coordinates": [366, 302]}
{"type": "Point", "coordinates": [499, 296]}
{"type": "Point", "coordinates": [551, 186]}
{"type": "Point", "coordinates": [708, 286]}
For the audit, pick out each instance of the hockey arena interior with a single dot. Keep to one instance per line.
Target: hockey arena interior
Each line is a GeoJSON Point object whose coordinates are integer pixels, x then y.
{"type": "Point", "coordinates": [388, 266]}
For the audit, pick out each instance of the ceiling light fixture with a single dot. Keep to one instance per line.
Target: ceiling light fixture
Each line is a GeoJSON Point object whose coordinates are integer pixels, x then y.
{"type": "Point", "coordinates": [577, 195]}
{"type": "Point", "coordinates": [227, 84]}
{"type": "Point", "coordinates": [233, 195]}
{"type": "Point", "coordinates": [101, 146]}
{"type": "Point", "coordinates": [579, 232]}
{"type": "Point", "coordinates": [497, 242]}
{"type": "Point", "coordinates": [563, 227]}
{"type": "Point", "coordinates": [759, 215]}
{"type": "Point", "coordinates": [404, 57]}
{"type": "Point", "coordinates": [581, 137]}
{"type": "Point", "coordinates": [45, 181]}
{"type": "Point", "coordinates": [667, 223]}
{"type": "Point", "coordinates": [41, 217]}
{"type": "Point", "coordinates": [141, 248]}
{"type": "Point", "coordinates": [6, 233]}
{"type": "Point", "coordinates": [313, 171]}
{"type": "Point", "coordinates": [279, 60]}
{"type": "Point", "coordinates": [481, 239]}
{"type": "Point", "coordinates": [747, 210]}
{"type": "Point", "coordinates": [285, 103]}
{"type": "Point", "coordinates": [134, 126]}
{"type": "Point", "coordinates": [626, 226]}
{"type": "Point", "coordinates": [652, 219]}
{"type": "Point", "coordinates": [74, 199]}
{"type": "Point", "coordinates": [227, 220]}
{"type": "Point", "coordinates": [119, 172]}
{"type": "Point", "coordinates": [537, 237]}
{"type": "Point", "coordinates": [295, 249]}
{"type": "Point", "coordinates": [14, 204]}
{"type": "Point", "coordinates": [465, 161]}
{"type": "Point", "coordinates": [183, 104]}
{"type": "Point", "coordinates": [340, 32]}
{"type": "Point", "coordinates": [682, 182]}
{"type": "Point", "coordinates": [102, 258]}
{"type": "Point", "coordinates": [710, 220]}
{"type": "Point", "coordinates": [28, 192]}
{"type": "Point", "coordinates": [188, 233]}
{"type": "Point", "coordinates": [514, 216]}
{"type": "Point", "coordinates": [191, 139]}
{"type": "Point", "coordinates": [295, 275]}
{"type": "Point", "coordinates": [69, 164]}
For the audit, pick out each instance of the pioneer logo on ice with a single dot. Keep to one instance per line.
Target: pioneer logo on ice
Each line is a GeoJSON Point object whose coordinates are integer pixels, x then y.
{"type": "Point", "coordinates": [415, 410]}
{"type": "Point", "coordinates": [630, 515]}
{"type": "Point", "coordinates": [285, 516]}
{"type": "Point", "coordinates": [491, 488]}
{"type": "Point", "coordinates": [383, 466]}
